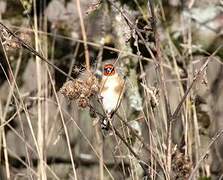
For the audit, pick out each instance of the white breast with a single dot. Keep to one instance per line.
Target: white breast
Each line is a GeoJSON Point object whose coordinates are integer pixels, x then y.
{"type": "Point", "coordinates": [110, 98]}
{"type": "Point", "coordinates": [109, 101]}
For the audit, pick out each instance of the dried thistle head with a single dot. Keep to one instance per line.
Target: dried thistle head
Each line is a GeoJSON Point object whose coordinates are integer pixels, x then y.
{"type": "Point", "coordinates": [181, 165]}
{"type": "Point", "coordinates": [83, 102]}
{"type": "Point", "coordinates": [78, 70]}
{"type": "Point", "coordinates": [70, 90]}
{"type": "Point", "coordinates": [13, 43]}
{"type": "Point", "coordinates": [9, 41]}
{"type": "Point", "coordinates": [81, 89]}
{"type": "Point", "coordinates": [94, 89]}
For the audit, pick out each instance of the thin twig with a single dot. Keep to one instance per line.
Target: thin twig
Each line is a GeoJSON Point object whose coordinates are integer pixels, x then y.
{"type": "Point", "coordinates": [214, 139]}
{"type": "Point", "coordinates": [197, 76]}
{"type": "Point", "coordinates": [65, 130]}
{"type": "Point", "coordinates": [87, 60]}
{"type": "Point", "coordinates": [95, 45]}
{"type": "Point", "coordinates": [144, 166]}
{"type": "Point", "coordinates": [141, 163]}
{"type": "Point", "coordinates": [139, 138]}
{"type": "Point", "coordinates": [32, 50]}
{"type": "Point", "coordinates": [163, 85]}
{"type": "Point", "coordinates": [158, 61]}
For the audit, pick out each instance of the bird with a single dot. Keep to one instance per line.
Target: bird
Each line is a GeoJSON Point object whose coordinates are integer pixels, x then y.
{"type": "Point", "coordinates": [111, 92]}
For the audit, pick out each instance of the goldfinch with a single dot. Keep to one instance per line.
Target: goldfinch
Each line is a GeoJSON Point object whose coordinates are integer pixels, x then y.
{"type": "Point", "coordinates": [112, 88]}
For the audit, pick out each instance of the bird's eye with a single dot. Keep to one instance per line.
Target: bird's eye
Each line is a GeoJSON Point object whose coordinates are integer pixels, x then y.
{"type": "Point", "coordinates": [109, 70]}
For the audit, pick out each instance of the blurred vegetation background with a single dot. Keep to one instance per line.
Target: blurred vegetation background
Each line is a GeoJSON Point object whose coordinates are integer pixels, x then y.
{"type": "Point", "coordinates": [170, 121]}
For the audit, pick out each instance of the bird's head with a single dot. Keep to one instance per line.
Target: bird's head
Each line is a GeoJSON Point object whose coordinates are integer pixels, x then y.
{"type": "Point", "coordinates": [109, 70]}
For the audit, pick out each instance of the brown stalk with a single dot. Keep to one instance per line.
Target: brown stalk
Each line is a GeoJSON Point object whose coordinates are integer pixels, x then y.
{"type": "Point", "coordinates": [214, 139]}
{"type": "Point", "coordinates": [196, 77]}
{"type": "Point", "coordinates": [87, 60]}
{"type": "Point", "coordinates": [163, 86]}
{"type": "Point", "coordinates": [33, 51]}
{"type": "Point", "coordinates": [96, 45]}
{"type": "Point", "coordinates": [139, 138]}
{"type": "Point", "coordinates": [158, 61]}
{"type": "Point", "coordinates": [144, 166]}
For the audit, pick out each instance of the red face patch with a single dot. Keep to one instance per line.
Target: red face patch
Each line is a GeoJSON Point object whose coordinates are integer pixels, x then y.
{"type": "Point", "coordinates": [109, 70]}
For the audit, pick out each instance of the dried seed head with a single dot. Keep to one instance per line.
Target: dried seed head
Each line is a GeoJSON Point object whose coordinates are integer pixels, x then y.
{"type": "Point", "coordinates": [77, 86]}
{"type": "Point", "coordinates": [181, 165]}
{"type": "Point", "coordinates": [69, 90]}
{"type": "Point", "coordinates": [81, 89]}
{"type": "Point", "coordinates": [83, 102]}
{"type": "Point", "coordinates": [86, 92]}
{"type": "Point", "coordinates": [94, 89]}
{"type": "Point", "coordinates": [89, 82]}
{"type": "Point", "coordinates": [12, 44]}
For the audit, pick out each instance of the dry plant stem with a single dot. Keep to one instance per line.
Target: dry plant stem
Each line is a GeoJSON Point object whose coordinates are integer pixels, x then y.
{"type": "Point", "coordinates": [87, 60]}
{"type": "Point", "coordinates": [19, 115]}
{"type": "Point", "coordinates": [32, 150]}
{"type": "Point", "coordinates": [21, 101]}
{"type": "Point", "coordinates": [92, 147]}
{"type": "Point", "coordinates": [44, 51]}
{"type": "Point", "coordinates": [27, 151]}
{"type": "Point", "coordinates": [12, 85]}
{"type": "Point", "coordinates": [142, 163]}
{"type": "Point", "coordinates": [94, 150]}
{"type": "Point", "coordinates": [18, 134]}
{"type": "Point", "coordinates": [5, 151]}
{"type": "Point", "coordinates": [163, 87]}
{"type": "Point", "coordinates": [22, 138]}
{"type": "Point", "coordinates": [154, 157]}
{"type": "Point", "coordinates": [158, 62]}
{"type": "Point", "coordinates": [40, 138]}
{"type": "Point", "coordinates": [22, 162]}
{"type": "Point", "coordinates": [65, 129]}
{"type": "Point", "coordinates": [97, 46]}
{"type": "Point", "coordinates": [100, 151]}
{"type": "Point", "coordinates": [3, 115]}
{"type": "Point", "coordinates": [74, 59]}
{"type": "Point", "coordinates": [214, 139]}
{"type": "Point", "coordinates": [181, 92]}
{"type": "Point", "coordinates": [159, 65]}
{"type": "Point", "coordinates": [140, 139]}
{"type": "Point", "coordinates": [1, 112]}
{"type": "Point", "coordinates": [33, 51]}
{"type": "Point", "coordinates": [144, 166]}
{"type": "Point", "coordinates": [197, 76]}
{"type": "Point", "coordinates": [126, 133]}
{"type": "Point", "coordinates": [19, 110]}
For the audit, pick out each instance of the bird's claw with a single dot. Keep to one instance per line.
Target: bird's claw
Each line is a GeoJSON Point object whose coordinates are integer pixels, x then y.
{"type": "Point", "coordinates": [105, 124]}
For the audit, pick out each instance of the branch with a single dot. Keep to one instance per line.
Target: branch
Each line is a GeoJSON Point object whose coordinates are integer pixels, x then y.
{"type": "Point", "coordinates": [84, 35]}
{"type": "Point", "coordinates": [33, 51]}
{"type": "Point", "coordinates": [214, 139]}
{"type": "Point", "coordinates": [197, 76]}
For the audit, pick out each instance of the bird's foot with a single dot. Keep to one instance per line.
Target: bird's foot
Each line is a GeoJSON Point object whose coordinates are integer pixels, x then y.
{"type": "Point", "coordinates": [105, 124]}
